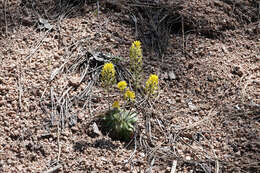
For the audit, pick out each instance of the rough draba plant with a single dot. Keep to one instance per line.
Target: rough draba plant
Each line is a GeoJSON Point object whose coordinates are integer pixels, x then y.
{"type": "Point", "coordinates": [120, 119]}
{"type": "Point", "coordinates": [122, 85]}
{"type": "Point", "coordinates": [121, 122]}
{"type": "Point", "coordinates": [151, 85]}
{"type": "Point", "coordinates": [108, 75]}
{"type": "Point", "coordinates": [136, 62]}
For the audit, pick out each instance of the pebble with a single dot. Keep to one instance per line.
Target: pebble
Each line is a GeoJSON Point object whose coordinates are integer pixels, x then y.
{"type": "Point", "coordinates": [237, 71]}
{"type": "Point", "coordinates": [188, 157]}
{"type": "Point", "coordinates": [74, 128]}
{"type": "Point", "coordinates": [74, 81]}
{"type": "Point", "coordinates": [10, 113]}
{"type": "Point", "coordinates": [224, 49]}
{"type": "Point", "coordinates": [2, 102]}
{"type": "Point", "coordinates": [2, 81]}
{"type": "Point", "coordinates": [3, 89]}
{"type": "Point", "coordinates": [192, 106]}
{"type": "Point", "coordinates": [238, 154]}
{"type": "Point", "coordinates": [171, 101]}
{"type": "Point", "coordinates": [172, 75]}
{"type": "Point", "coordinates": [142, 154]}
{"type": "Point", "coordinates": [96, 130]}
{"type": "Point", "coordinates": [81, 116]}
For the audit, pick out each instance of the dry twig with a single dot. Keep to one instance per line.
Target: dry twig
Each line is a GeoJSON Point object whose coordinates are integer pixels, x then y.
{"type": "Point", "coordinates": [174, 164]}
{"type": "Point", "coordinates": [6, 24]}
{"type": "Point", "coordinates": [38, 44]}
{"type": "Point", "coordinates": [53, 169]}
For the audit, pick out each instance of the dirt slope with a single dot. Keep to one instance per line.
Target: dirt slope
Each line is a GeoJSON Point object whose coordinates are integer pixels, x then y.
{"type": "Point", "coordinates": [205, 119]}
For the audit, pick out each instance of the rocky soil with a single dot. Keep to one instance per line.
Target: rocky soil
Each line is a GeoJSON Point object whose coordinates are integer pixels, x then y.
{"type": "Point", "coordinates": [205, 118]}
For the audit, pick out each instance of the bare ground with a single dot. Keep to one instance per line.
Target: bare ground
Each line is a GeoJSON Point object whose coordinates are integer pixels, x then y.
{"type": "Point", "coordinates": [204, 120]}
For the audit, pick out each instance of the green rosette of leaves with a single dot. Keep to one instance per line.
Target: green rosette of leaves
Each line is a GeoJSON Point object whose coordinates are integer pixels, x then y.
{"type": "Point", "coordinates": [121, 122]}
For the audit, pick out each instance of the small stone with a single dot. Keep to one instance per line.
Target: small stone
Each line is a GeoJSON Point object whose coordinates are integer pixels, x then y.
{"type": "Point", "coordinates": [96, 130]}
{"type": "Point", "coordinates": [238, 154]}
{"type": "Point", "coordinates": [171, 101]}
{"type": "Point", "coordinates": [31, 107]}
{"type": "Point", "coordinates": [103, 159]}
{"type": "Point", "coordinates": [190, 66]}
{"type": "Point", "coordinates": [224, 49]}
{"type": "Point", "coordinates": [237, 71]}
{"type": "Point", "coordinates": [188, 157]}
{"type": "Point", "coordinates": [74, 81]}
{"type": "Point", "coordinates": [11, 113]}
{"type": "Point", "coordinates": [197, 90]}
{"type": "Point", "coordinates": [3, 89]}
{"type": "Point", "coordinates": [172, 76]}
{"type": "Point", "coordinates": [56, 56]}
{"type": "Point", "coordinates": [178, 99]}
{"type": "Point", "coordinates": [2, 81]}
{"type": "Point", "coordinates": [142, 154]}
{"type": "Point", "coordinates": [210, 79]}
{"type": "Point", "coordinates": [2, 102]}
{"type": "Point", "coordinates": [192, 106]}
{"type": "Point", "coordinates": [9, 162]}
{"type": "Point", "coordinates": [81, 116]}
{"type": "Point", "coordinates": [165, 76]}
{"type": "Point", "coordinates": [74, 128]}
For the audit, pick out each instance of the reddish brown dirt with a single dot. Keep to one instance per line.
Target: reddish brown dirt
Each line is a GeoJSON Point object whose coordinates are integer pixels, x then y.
{"type": "Point", "coordinates": [212, 107]}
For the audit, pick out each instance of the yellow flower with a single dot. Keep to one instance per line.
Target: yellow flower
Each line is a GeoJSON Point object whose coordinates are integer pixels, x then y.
{"type": "Point", "coordinates": [108, 69]}
{"type": "Point", "coordinates": [136, 55]}
{"type": "Point", "coordinates": [116, 104]}
{"type": "Point", "coordinates": [122, 85]}
{"type": "Point", "coordinates": [129, 95]}
{"type": "Point", "coordinates": [137, 44]}
{"type": "Point", "coordinates": [108, 74]}
{"type": "Point", "coordinates": [151, 84]}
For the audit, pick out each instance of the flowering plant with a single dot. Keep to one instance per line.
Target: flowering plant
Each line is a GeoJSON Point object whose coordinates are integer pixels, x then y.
{"type": "Point", "coordinates": [136, 55]}
{"type": "Point", "coordinates": [120, 120]}
{"type": "Point", "coordinates": [122, 85]}
{"type": "Point", "coordinates": [108, 75]}
{"type": "Point", "coordinates": [136, 62]}
{"type": "Point", "coordinates": [129, 95]}
{"type": "Point", "coordinates": [151, 85]}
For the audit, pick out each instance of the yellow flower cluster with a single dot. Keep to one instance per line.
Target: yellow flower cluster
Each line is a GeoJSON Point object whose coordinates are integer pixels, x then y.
{"type": "Point", "coordinates": [137, 44]}
{"type": "Point", "coordinates": [122, 85]}
{"type": "Point", "coordinates": [151, 84]}
{"type": "Point", "coordinates": [136, 56]}
{"type": "Point", "coordinates": [116, 105]}
{"type": "Point", "coordinates": [108, 74]}
{"type": "Point", "coordinates": [136, 62]}
{"type": "Point", "coordinates": [129, 95]}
